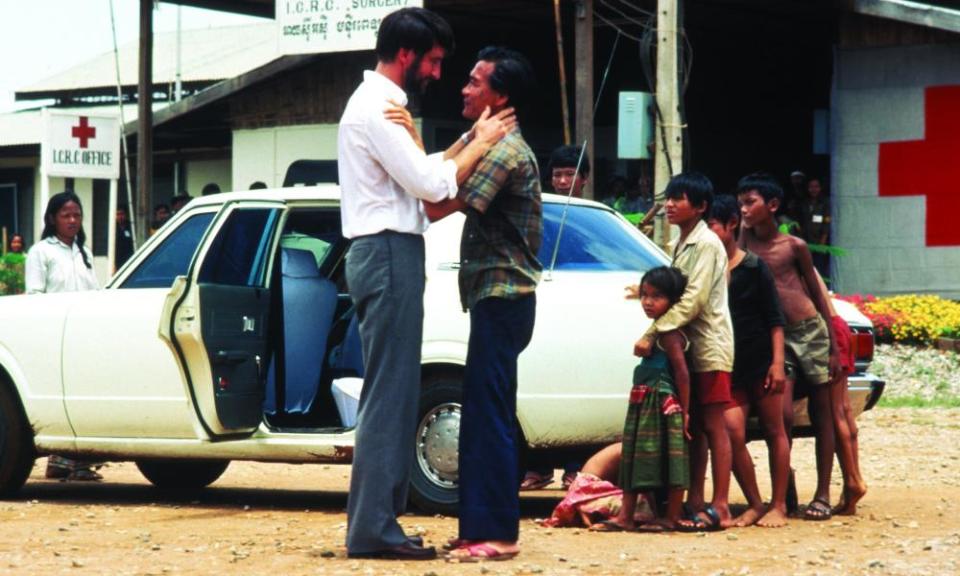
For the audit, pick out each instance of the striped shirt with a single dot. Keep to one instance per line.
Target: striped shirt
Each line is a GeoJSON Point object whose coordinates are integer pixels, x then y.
{"type": "Point", "coordinates": [504, 226]}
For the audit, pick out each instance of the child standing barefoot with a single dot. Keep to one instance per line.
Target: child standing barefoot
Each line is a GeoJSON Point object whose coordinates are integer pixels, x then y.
{"type": "Point", "coordinates": [656, 432]}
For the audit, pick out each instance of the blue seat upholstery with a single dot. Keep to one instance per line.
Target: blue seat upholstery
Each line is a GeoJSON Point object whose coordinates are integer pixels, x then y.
{"type": "Point", "coordinates": [347, 358]}
{"type": "Point", "coordinates": [309, 304]}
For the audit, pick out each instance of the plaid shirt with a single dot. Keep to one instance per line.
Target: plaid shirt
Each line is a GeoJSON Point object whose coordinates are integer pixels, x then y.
{"type": "Point", "coordinates": [504, 227]}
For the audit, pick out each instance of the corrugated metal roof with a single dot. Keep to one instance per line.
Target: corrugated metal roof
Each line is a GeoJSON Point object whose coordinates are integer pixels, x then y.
{"type": "Point", "coordinates": [206, 55]}
{"type": "Point", "coordinates": [26, 127]}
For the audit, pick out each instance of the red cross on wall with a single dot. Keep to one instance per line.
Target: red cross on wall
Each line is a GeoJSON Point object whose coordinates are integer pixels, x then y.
{"type": "Point", "coordinates": [930, 167]}
{"type": "Point", "coordinates": [84, 131]}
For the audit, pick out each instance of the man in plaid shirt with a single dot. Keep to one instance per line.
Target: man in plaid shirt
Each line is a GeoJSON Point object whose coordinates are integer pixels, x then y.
{"type": "Point", "coordinates": [499, 271]}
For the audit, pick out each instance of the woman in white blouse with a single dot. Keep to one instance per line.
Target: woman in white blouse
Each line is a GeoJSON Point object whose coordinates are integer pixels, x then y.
{"type": "Point", "coordinates": [60, 263]}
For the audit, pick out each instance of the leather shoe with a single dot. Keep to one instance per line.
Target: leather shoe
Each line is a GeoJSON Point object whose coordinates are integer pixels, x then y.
{"type": "Point", "coordinates": [405, 551]}
{"type": "Point", "coordinates": [415, 540]}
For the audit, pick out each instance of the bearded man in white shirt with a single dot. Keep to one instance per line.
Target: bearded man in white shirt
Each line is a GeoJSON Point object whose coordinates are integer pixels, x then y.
{"type": "Point", "coordinates": [384, 177]}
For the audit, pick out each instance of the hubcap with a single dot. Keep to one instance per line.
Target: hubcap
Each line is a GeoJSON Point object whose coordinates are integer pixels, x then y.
{"type": "Point", "coordinates": [438, 436]}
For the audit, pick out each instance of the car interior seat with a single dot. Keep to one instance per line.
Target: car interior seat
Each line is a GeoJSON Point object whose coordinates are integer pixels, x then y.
{"type": "Point", "coordinates": [309, 305]}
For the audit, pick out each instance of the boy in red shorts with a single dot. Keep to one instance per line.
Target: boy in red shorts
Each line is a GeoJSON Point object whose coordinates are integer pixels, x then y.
{"type": "Point", "coordinates": [809, 345]}
{"type": "Point", "coordinates": [758, 370]}
{"type": "Point", "coordinates": [844, 421]}
{"type": "Point", "coordinates": [704, 315]}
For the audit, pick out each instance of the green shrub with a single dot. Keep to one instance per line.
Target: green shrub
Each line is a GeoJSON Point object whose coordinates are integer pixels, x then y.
{"type": "Point", "coordinates": [11, 274]}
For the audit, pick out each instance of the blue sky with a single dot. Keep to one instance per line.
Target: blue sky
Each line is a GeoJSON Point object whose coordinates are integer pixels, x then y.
{"type": "Point", "coordinates": [39, 38]}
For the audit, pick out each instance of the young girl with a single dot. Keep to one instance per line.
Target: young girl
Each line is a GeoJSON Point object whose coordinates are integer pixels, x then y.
{"type": "Point", "coordinates": [656, 431]}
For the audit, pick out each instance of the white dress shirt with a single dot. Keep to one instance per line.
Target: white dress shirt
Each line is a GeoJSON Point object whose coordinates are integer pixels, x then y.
{"type": "Point", "coordinates": [52, 266]}
{"type": "Point", "coordinates": [383, 174]}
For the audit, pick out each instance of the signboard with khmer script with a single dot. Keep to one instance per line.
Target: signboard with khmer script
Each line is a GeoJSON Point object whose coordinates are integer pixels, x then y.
{"type": "Point", "coordinates": [311, 26]}
{"type": "Point", "coordinates": [78, 145]}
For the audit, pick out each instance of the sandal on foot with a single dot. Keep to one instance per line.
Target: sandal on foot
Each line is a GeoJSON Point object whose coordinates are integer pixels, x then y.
{"type": "Point", "coordinates": [712, 522]}
{"type": "Point", "coordinates": [609, 526]}
{"type": "Point", "coordinates": [480, 552]}
{"type": "Point", "coordinates": [817, 510]}
{"type": "Point", "coordinates": [84, 475]}
{"type": "Point", "coordinates": [655, 527]}
{"type": "Point", "coordinates": [535, 481]}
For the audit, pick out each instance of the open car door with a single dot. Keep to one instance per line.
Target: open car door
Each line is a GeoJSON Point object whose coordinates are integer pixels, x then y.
{"type": "Point", "coordinates": [217, 319]}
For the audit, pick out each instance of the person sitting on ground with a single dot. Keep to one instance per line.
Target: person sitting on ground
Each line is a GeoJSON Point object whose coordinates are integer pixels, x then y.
{"type": "Point", "coordinates": [758, 369]}
{"type": "Point", "coordinates": [656, 430]}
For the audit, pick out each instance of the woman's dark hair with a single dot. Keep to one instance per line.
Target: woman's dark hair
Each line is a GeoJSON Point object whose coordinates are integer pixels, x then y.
{"type": "Point", "coordinates": [764, 184]}
{"type": "Point", "coordinates": [415, 29]}
{"type": "Point", "coordinates": [512, 75]}
{"type": "Point", "coordinates": [57, 201]}
{"type": "Point", "coordinates": [669, 281]}
{"type": "Point", "coordinates": [696, 186]}
{"type": "Point", "coordinates": [567, 156]}
{"type": "Point", "coordinates": [724, 209]}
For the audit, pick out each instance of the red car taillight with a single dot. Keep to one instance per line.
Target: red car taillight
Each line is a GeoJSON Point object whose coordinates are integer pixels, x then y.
{"type": "Point", "coordinates": [862, 342]}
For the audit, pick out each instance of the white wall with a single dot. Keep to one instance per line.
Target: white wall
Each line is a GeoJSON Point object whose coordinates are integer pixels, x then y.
{"type": "Point", "coordinates": [199, 173]}
{"type": "Point", "coordinates": [265, 154]}
{"type": "Point", "coordinates": [878, 96]}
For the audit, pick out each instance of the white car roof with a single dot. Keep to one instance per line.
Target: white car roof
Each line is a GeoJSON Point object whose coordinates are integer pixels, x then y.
{"type": "Point", "coordinates": [332, 192]}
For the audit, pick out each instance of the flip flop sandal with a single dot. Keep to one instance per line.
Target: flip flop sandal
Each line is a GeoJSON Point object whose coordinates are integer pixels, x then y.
{"type": "Point", "coordinates": [84, 475]}
{"type": "Point", "coordinates": [454, 543]}
{"type": "Point", "coordinates": [481, 553]}
{"type": "Point", "coordinates": [712, 523]}
{"type": "Point", "coordinates": [534, 481]}
{"type": "Point", "coordinates": [608, 526]}
{"type": "Point", "coordinates": [654, 528]}
{"type": "Point", "coordinates": [818, 510]}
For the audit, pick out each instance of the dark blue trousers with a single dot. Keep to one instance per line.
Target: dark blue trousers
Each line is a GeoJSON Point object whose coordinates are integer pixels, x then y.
{"type": "Point", "coordinates": [489, 439]}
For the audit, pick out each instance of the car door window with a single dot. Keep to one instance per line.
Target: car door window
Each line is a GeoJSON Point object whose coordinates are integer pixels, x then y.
{"type": "Point", "coordinates": [593, 239]}
{"type": "Point", "coordinates": [239, 254]}
{"type": "Point", "coordinates": [172, 258]}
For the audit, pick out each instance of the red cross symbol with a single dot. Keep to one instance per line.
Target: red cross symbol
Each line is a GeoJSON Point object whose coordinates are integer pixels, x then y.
{"type": "Point", "coordinates": [84, 131]}
{"type": "Point", "coordinates": [930, 167]}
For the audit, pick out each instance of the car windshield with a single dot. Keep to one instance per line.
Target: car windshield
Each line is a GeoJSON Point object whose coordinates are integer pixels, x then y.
{"type": "Point", "coordinates": [595, 239]}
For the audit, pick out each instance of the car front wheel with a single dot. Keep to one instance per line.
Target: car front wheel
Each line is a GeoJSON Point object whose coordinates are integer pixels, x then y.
{"type": "Point", "coordinates": [16, 446]}
{"type": "Point", "coordinates": [434, 481]}
{"type": "Point", "coordinates": [182, 476]}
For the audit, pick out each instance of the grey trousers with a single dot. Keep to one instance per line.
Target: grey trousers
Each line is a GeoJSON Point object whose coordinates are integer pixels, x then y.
{"type": "Point", "coordinates": [386, 279]}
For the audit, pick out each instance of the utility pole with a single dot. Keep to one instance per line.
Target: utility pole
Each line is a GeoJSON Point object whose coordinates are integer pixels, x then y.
{"type": "Point", "coordinates": [583, 58]}
{"type": "Point", "coordinates": [145, 121]}
{"type": "Point", "coordinates": [668, 132]}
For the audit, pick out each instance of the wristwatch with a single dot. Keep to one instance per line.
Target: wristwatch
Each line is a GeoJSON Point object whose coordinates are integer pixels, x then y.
{"type": "Point", "coordinates": [465, 138]}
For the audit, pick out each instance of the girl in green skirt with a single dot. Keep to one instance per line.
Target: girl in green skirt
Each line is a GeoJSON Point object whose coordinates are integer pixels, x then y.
{"type": "Point", "coordinates": [656, 432]}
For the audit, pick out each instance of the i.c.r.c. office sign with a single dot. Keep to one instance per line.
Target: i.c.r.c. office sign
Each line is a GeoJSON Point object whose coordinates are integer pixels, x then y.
{"type": "Point", "coordinates": [312, 26]}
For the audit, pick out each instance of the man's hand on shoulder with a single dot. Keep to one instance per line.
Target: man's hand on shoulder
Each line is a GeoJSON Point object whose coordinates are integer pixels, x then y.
{"type": "Point", "coordinates": [491, 128]}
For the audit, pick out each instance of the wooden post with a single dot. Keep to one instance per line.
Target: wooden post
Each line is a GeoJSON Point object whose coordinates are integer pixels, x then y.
{"type": "Point", "coordinates": [563, 73]}
{"type": "Point", "coordinates": [583, 25]}
{"type": "Point", "coordinates": [145, 122]}
{"type": "Point", "coordinates": [669, 134]}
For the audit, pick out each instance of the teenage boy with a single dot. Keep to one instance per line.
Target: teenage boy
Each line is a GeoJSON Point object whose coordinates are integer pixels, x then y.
{"type": "Point", "coordinates": [758, 369]}
{"type": "Point", "coordinates": [809, 343]}
{"type": "Point", "coordinates": [703, 314]}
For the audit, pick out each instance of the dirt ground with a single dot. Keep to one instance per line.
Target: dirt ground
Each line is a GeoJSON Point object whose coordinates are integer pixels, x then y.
{"type": "Point", "coordinates": [283, 519]}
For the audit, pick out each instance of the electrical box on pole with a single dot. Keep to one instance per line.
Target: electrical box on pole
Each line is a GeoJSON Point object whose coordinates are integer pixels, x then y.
{"type": "Point", "coordinates": [635, 126]}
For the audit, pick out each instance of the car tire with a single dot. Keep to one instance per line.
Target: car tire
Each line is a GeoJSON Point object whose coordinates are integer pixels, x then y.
{"type": "Point", "coordinates": [182, 476]}
{"type": "Point", "coordinates": [434, 479]}
{"type": "Point", "coordinates": [17, 452]}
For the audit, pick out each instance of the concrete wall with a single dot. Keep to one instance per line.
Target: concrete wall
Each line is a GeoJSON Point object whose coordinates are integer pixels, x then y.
{"type": "Point", "coordinates": [202, 172]}
{"type": "Point", "coordinates": [878, 97]}
{"type": "Point", "coordinates": [264, 154]}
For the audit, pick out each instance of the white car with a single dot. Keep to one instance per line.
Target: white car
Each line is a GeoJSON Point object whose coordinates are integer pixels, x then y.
{"type": "Point", "coordinates": [220, 338]}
